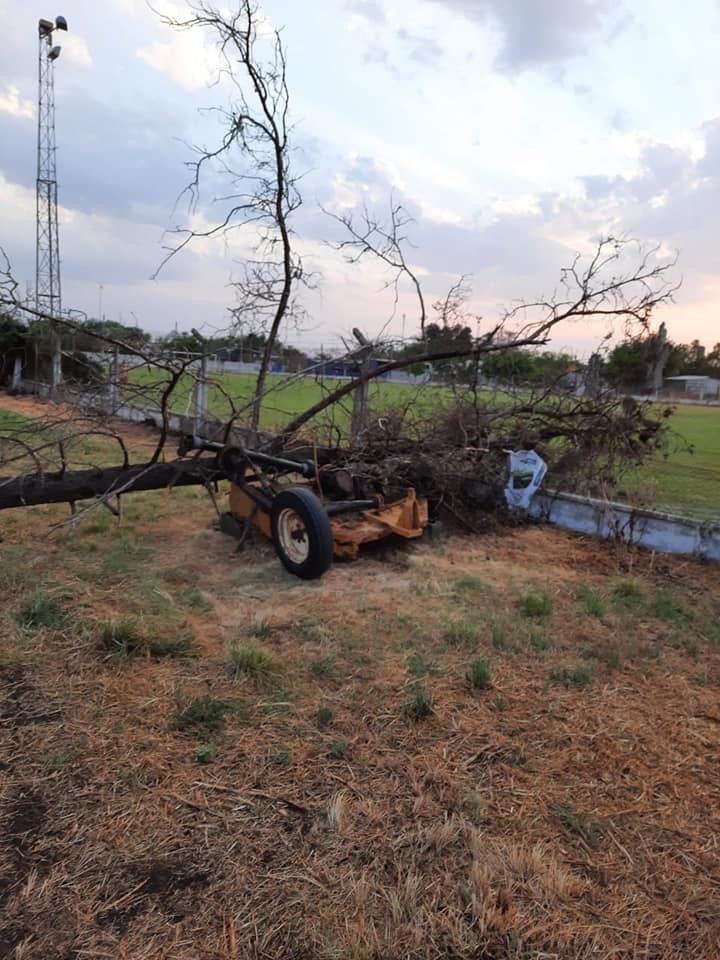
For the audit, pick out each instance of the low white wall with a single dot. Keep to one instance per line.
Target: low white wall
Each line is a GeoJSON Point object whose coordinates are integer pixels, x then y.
{"type": "Point", "coordinates": [617, 521]}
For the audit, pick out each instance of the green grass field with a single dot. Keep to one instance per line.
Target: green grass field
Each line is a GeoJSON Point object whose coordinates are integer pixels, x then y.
{"type": "Point", "coordinates": [286, 397]}
{"type": "Point", "coordinates": [688, 480]}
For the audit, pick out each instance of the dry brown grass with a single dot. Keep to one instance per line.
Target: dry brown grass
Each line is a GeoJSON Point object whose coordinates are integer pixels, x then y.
{"type": "Point", "coordinates": [425, 838]}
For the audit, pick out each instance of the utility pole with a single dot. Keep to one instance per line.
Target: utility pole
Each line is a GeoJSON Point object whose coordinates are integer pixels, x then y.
{"type": "Point", "coordinates": [47, 247]}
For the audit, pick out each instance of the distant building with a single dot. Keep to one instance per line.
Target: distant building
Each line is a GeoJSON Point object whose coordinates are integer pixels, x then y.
{"type": "Point", "coordinates": [692, 387]}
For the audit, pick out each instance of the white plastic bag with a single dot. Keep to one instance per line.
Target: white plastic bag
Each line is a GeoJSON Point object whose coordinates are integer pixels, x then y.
{"type": "Point", "coordinates": [527, 470]}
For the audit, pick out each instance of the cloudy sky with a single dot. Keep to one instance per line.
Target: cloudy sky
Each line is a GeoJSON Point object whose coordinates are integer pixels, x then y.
{"type": "Point", "coordinates": [516, 131]}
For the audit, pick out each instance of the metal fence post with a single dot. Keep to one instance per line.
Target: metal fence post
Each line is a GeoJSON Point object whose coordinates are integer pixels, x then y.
{"type": "Point", "coordinates": [113, 380]}
{"type": "Point", "coordinates": [56, 382]}
{"type": "Point", "coordinates": [16, 375]}
{"type": "Point", "coordinates": [201, 397]}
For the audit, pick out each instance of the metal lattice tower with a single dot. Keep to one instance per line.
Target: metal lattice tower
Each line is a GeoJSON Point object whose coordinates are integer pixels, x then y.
{"type": "Point", "coordinates": [47, 248]}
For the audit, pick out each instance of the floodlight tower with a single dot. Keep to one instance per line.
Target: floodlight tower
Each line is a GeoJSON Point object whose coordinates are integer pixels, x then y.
{"type": "Point", "coordinates": [47, 249]}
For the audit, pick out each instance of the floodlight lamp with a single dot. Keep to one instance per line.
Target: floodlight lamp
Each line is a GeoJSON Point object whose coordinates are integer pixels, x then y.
{"type": "Point", "coordinates": [45, 27]}
{"type": "Point", "coordinates": [54, 53]}
{"type": "Point", "coordinates": [60, 23]}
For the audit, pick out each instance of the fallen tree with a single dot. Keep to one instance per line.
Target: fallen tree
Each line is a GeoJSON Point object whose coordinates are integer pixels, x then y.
{"type": "Point", "coordinates": [102, 484]}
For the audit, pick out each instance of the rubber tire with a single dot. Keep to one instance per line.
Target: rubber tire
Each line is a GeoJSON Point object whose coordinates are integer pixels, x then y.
{"type": "Point", "coordinates": [319, 532]}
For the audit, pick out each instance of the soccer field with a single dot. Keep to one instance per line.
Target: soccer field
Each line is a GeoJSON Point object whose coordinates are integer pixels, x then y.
{"type": "Point", "coordinates": [688, 480]}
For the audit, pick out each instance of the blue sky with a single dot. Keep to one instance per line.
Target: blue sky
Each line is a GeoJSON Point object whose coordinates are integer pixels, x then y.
{"type": "Point", "coordinates": [516, 131]}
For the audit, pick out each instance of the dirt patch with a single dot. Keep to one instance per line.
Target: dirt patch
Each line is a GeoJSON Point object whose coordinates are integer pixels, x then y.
{"type": "Point", "coordinates": [159, 883]}
{"type": "Point", "coordinates": [21, 704]}
{"type": "Point", "coordinates": [23, 816]}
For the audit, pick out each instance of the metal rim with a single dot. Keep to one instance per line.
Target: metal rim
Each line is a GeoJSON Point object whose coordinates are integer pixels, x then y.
{"type": "Point", "coordinates": [293, 536]}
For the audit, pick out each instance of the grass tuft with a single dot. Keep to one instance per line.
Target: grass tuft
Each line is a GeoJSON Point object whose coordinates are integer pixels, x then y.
{"type": "Point", "coordinates": [161, 647]}
{"type": "Point", "coordinates": [206, 714]}
{"type": "Point", "coordinates": [478, 675]}
{"type": "Point", "coordinates": [321, 667]}
{"type": "Point", "coordinates": [628, 593]}
{"type": "Point", "coordinates": [280, 757]}
{"type": "Point", "coordinates": [421, 705]}
{"type": "Point", "coordinates": [461, 633]}
{"type": "Point", "coordinates": [205, 753]}
{"type": "Point", "coordinates": [499, 639]}
{"type": "Point", "coordinates": [536, 605]}
{"type": "Point", "coordinates": [418, 666]}
{"type": "Point", "coordinates": [665, 606]}
{"type": "Point", "coordinates": [254, 662]}
{"type": "Point", "coordinates": [591, 601]}
{"type": "Point", "coordinates": [572, 677]}
{"type": "Point", "coordinates": [125, 638]}
{"type": "Point", "coordinates": [468, 583]}
{"type": "Point", "coordinates": [260, 628]}
{"type": "Point", "coordinates": [541, 643]}
{"type": "Point", "coordinates": [323, 718]}
{"type": "Point", "coordinates": [122, 638]}
{"type": "Point", "coordinates": [194, 597]}
{"type": "Point", "coordinates": [337, 750]}
{"type": "Point", "coordinates": [475, 808]}
{"type": "Point", "coordinates": [589, 829]}
{"type": "Point", "coordinates": [42, 612]}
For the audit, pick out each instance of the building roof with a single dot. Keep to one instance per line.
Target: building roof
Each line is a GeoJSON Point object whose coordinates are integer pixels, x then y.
{"type": "Point", "coordinates": [690, 376]}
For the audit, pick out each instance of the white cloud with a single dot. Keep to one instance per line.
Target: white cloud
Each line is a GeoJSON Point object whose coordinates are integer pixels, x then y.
{"type": "Point", "coordinates": [11, 102]}
{"type": "Point", "coordinates": [184, 58]}
{"type": "Point", "coordinates": [75, 49]}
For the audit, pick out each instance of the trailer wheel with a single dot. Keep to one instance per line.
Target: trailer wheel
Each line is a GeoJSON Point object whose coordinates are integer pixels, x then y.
{"type": "Point", "coordinates": [301, 532]}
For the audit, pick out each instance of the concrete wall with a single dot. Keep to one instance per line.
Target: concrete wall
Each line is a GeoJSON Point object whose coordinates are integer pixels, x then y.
{"type": "Point", "coordinates": [617, 521]}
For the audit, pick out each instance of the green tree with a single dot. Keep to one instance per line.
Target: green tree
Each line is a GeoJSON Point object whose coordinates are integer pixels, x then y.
{"type": "Point", "coordinates": [13, 338]}
{"type": "Point", "coordinates": [13, 335]}
{"type": "Point", "coordinates": [626, 365]}
{"type": "Point", "coordinates": [92, 332]}
{"type": "Point", "coordinates": [527, 366]}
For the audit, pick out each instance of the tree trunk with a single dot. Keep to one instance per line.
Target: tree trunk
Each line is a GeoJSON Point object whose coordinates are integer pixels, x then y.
{"type": "Point", "coordinates": [71, 486]}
